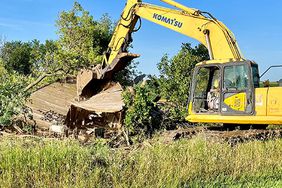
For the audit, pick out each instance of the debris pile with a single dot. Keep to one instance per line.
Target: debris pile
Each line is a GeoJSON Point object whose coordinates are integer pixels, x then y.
{"type": "Point", "coordinates": [53, 117]}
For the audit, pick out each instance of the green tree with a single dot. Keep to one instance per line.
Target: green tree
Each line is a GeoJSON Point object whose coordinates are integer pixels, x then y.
{"type": "Point", "coordinates": [16, 56]}
{"type": "Point", "coordinates": [43, 56]}
{"type": "Point", "coordinates": [29, 57]}
{"type": "Point", "coordinates": [176, 76]}
{"type": "Point", "coordinates": [82, 40]}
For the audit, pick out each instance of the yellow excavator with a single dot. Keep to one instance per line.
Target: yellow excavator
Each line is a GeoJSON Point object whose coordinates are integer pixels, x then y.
{"type": "Point", "coordinates": [225, 89]}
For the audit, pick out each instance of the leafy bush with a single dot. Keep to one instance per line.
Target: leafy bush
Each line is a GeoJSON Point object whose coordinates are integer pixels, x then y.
{"type": "Point", "coordinates": [12, 96]}
{"type": "Point", "coordinates": [142, 115]}
{"type": "Point", "coordinates": [176, 76]}
{"type": "Point", "coordinates": [3, 71]}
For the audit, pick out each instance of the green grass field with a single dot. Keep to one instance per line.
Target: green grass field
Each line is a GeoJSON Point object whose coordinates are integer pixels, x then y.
{"type": "Point", "coordinates": [186, 163]}
{"type": "Point", "coordinates": [271, 84]}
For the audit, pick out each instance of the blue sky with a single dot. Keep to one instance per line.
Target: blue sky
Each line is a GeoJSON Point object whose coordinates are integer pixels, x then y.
{"type": "Point", "coordinates": [257, 26]}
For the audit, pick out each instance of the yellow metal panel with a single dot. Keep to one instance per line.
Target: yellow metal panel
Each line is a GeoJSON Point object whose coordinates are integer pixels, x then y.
{"type": "Point", "coordinates": [274, 104]}
{"type": "Point", "coordinates": [210, 62]}
{"type": "Point", "coordinates": [237, 102]}
{"type": "Point", "coordinates": [190, 108]}
{"type": "Point", "coordinates": [194, 27]}
{"type": "Point", "coordinates": [180, 6]}
{"type": "Point", "coordinates": [274, 120]}
{"type": "Point", "coordinates": [261, 101]}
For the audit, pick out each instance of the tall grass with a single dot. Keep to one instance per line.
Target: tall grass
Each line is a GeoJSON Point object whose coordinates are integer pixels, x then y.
{"type": "Point", "coordinates": [186, 163]}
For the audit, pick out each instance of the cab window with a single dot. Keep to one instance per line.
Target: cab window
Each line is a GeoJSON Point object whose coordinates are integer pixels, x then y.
{"type": "Point", "coordinates": [235, 78]}
{"type": "Point", "coordinates": [202, 82]}
{"type": "Point", "coordinates": [207, 90]}
{"type": "Point", "coordinates": [256, 78]}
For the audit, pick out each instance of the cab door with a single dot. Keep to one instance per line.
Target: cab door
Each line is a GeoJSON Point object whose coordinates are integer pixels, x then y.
{"type": "Point", "coordinates": [237, 90]}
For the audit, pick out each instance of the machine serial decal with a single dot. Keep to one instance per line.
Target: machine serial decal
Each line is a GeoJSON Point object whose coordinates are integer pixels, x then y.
{"type": "Point", "coordinates": [167, 20]}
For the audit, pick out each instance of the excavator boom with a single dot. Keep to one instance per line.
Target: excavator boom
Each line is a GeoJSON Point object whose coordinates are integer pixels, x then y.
{"type": "Point", "coordinates": [194, 23]}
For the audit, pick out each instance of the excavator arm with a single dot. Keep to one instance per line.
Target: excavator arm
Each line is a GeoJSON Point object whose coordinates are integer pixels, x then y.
{"type": "Point", "coordinates": [202, 26]}
{"type": "Point", "coordinates": [193, 23]}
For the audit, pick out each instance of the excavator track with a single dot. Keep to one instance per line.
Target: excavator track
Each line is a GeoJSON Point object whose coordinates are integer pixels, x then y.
{"type": "Point", "coordinates": [219, 134]}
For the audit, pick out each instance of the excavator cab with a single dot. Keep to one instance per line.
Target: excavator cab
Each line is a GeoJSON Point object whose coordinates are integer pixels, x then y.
{"type": "Point", "coordinates": [230, 93]}
{"type": "Point", "coordinates": [224, 88]}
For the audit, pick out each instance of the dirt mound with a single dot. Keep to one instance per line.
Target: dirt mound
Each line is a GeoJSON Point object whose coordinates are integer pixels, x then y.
{"type": "Point", "coordinates": [231, 137]}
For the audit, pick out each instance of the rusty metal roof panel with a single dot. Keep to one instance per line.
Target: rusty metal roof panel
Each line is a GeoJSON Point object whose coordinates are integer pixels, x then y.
{"type": "Point", "coordinates": [108, 101]}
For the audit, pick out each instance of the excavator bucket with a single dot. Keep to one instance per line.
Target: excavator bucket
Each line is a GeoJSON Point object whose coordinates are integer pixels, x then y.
{"type": "Point", "coordinates": [99, 100]}
{"type": "Point", "coordinates": [95, 80]}
{"type": "Point", "coordinates": [103, 110]}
